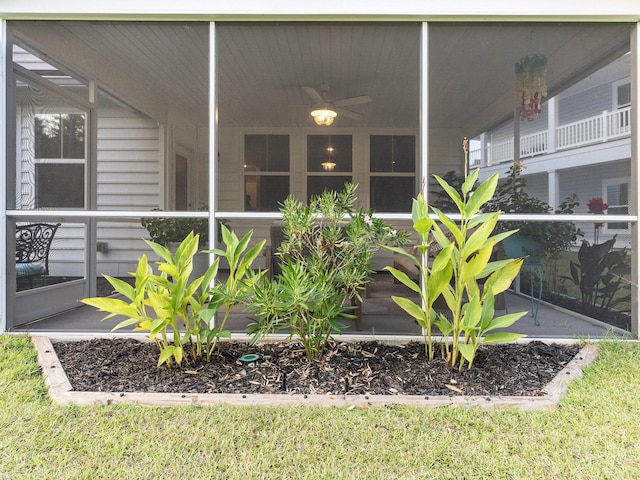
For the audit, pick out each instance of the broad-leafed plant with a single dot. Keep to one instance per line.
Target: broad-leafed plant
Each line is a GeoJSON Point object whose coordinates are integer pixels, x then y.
{"type": "Point", "coordinates": [165, 304]}
{"type": "Point", "coordinates": [600, 275]}
{"type": "Point", "coordinates": [239, 285]}
{"type": "Point", "coordinates": [462, 273]}
{"type": "Point", "coordinates": [175, 310]}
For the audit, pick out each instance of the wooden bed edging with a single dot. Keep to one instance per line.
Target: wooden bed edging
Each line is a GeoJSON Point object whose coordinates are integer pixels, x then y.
{"type": "Point", "coordinates": [62, 393]}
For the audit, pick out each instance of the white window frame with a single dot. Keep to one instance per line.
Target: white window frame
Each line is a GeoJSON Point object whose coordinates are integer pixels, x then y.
{"type": "Point", "coordinates": [62, 161]}
{"type": "Point", "coordinates": [606, 183]}
{"type": "Point", "coordinates": [615, 100]}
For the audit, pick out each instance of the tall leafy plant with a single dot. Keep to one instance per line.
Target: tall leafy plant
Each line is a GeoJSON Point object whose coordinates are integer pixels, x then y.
{"type": "Point", "coordinates": [176, 311]}
{"type": "Point", "coordinates": [462, 273]}
{"type": "Point", "coordinates": [165, 304]}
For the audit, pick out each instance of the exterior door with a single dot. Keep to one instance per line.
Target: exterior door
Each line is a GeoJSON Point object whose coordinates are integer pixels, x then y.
{"type": "Point", "coordinates": [50, 179]}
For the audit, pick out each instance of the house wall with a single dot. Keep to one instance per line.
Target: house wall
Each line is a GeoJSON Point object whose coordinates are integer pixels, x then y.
{"type": "Point", "coordinates": [584, 104]}
{"type": "Point", "coordinates": [129, 169]}
{"type": "Point", "coordinates": [586, 182]}
{"type": "Point", "coordinates": [128, 173]}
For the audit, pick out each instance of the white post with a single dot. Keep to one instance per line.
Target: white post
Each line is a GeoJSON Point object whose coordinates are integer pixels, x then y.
{"type": "Point", "coordinates": [552, 124]}
{"type": "Point", "coordinates": [553, 187]}
{"type": "Point", "coordinates": [424, 132]}
{"type": "Point", "coordinates": [605, 126]}
{"type": "Point", "coordinates": [484, 160]}
{"type": "Point", "coordinates": [634, 199]}
{"type": "Point", "coordinates": [4, 54]}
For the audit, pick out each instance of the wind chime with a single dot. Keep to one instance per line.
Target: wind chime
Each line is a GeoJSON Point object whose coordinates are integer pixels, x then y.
{"type": "Point", "coordinates": [531, 84]}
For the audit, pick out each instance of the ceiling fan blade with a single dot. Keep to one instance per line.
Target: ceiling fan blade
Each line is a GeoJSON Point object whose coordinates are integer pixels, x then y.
{"type": "Point", "coordinates": [349, 114]}
{"type": "Point", "coordinates": [313, 93]}
{"type": "Point", "coordinates": [353, 101]}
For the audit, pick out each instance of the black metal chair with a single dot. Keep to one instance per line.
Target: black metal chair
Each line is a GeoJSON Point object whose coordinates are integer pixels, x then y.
{"type": "Point", "coordinates": [33, 242]}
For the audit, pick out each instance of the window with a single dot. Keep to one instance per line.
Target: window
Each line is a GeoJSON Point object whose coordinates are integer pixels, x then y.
{"type": "Point", "coordinates": [266, 172]}
{"type": "Point", "coordinates": [392, 164]}
{"type": "Point", "coordinates": [616, 193]}
{"type": "Point", "coordinates": [329, 162]}
{"type": "Point", "coordinates": [59, 151]}
{"type": "Point", "coordinates": [623, 94]}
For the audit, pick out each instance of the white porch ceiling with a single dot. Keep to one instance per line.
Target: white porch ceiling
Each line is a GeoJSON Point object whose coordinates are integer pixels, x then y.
{"type": "Point", "coordinates": [263, 67]}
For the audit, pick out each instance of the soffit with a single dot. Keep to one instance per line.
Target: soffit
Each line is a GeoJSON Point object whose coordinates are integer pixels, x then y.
{"type": "Point", "coordinates": [262, 67]}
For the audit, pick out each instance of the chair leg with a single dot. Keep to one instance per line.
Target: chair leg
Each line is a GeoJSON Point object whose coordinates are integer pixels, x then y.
{"type": "Point", "coordinates": [535, 271]}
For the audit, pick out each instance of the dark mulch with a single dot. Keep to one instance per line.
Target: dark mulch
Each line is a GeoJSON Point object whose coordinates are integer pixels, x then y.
{"type": "Point", "coordinates": [126, 365]}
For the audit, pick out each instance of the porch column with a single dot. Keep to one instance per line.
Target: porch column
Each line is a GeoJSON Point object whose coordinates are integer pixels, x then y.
{"type": "Point", "coordinates": [634, 198]}
{"type": "Point", "coordinates": [552, 123]}
{"type": "Point", "coordinates": [553, 187]}
{"type": "Point", "coordinates": [484, 157]}
{"type": "Point", "coordinates": [213, 141]}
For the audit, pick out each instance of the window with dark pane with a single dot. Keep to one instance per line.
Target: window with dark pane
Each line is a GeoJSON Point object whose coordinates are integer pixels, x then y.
{"type": "Point", "coordinates": [263, 155]}
{"type": "Point", "coordinates": [317, 184]}
{"type": "Point", "coordinates": [392, 153]}
{"type": "Point", "coordinates": [59, 136]}
{"type": "Point", "coordinates": [618, 202]}
{"type": "Point", "coordinates": [392, 194]}
{"type": "Point", "coordinates": [266, 153]}
{"type": "Point", "coordinates": [59, 185]}
{"type": "Point", "coordinates": [329, 153]}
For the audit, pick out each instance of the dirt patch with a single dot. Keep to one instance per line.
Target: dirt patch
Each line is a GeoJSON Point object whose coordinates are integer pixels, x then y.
{"type": "Point", "coordinates": [369, 368]}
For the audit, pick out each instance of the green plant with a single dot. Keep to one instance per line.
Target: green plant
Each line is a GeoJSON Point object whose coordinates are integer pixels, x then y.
{"type": "Point", "coordinates": [441, 200]}
{"type": "Point", "coordinates": [165, 230]}
{"type": "Point", "coordinates": [240, 283]}
{"type": "Point", "coordinates": [599, 273]}
{"type": "Point", "coordinates": [299, 301]}
{"type": "Point", "coordinates": [456, 272]}
{"type": "Point", "coordinates": [163, 303]}
{"type": "Point", "coordinates": [553, 238]}
{"type": "Point", "coordinates": [169, 304]}
{"type": "Point", "coordinates": [325, 259]}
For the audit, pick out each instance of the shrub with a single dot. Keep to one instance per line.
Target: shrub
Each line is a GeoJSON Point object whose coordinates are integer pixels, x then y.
{"type": "Point", "coordinates": [325, 259]}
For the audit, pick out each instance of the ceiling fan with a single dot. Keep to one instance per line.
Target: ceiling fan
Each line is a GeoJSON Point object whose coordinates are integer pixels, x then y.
{"type": "Point", "coordinates": [325, 111]}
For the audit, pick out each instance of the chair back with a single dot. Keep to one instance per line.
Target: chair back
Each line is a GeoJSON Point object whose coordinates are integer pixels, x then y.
{"type": "Point", "coordinates": [517, 246]}
{"type": "Point", "coordinates": [33, 242]}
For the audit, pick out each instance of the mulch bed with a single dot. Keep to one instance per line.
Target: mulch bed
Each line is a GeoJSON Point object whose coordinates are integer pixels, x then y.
{"type": "Point", "coordinates": [369, 368]}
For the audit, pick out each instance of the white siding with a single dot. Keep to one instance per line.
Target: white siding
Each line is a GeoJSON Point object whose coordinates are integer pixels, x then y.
{"type": "Point", "coordinates": [128, 173]}
{"type": "Point", "coordinates": [128, 179]}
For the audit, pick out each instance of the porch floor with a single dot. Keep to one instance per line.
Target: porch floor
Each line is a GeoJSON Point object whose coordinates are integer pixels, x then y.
{"type": "Point", "coordinates": [380, 316]}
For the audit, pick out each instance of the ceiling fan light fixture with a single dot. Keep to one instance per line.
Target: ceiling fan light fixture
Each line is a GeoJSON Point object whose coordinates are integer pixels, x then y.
{"type": "Point", "coordinates": [323, 115]}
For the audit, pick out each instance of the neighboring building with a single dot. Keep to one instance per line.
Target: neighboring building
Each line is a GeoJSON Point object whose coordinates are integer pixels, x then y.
{"type": "Point", "coordinates": [580, 143]}
{"type": "Point", "coordinates": [114, 111]}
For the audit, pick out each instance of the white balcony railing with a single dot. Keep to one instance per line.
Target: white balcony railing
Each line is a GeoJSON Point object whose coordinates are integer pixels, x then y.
{"type": "Point", "coordinates": [601, 128]}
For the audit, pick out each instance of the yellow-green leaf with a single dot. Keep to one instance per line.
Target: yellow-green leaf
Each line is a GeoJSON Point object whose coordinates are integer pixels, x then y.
{"type": "Point", "coordinates": [501, 279]}
{"type": "Point", "coordinates": [478, 262]}
{"type": "Point", "coordinates": [501, 337]}
{"type": "Point", "coordinates": [404, 279]}
{"type": "Point", "coordinates": [481, 195]}
{"type": "Point", "coordinates": [467, 351]}
{"type": "Point", "coordinates": [411, 308]}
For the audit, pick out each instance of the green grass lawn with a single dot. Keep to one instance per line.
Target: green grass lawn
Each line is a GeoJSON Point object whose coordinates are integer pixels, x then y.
{"type": "Point", "coordinates": [594, 434]}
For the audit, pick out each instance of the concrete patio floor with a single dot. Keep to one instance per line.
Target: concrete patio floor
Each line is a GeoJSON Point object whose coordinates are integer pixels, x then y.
{"type": "Point", "coordinates": [381, 317]}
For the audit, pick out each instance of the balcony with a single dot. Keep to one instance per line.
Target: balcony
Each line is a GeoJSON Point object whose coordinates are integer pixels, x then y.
{"type": "Point", "coordinates": [610, 125]}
